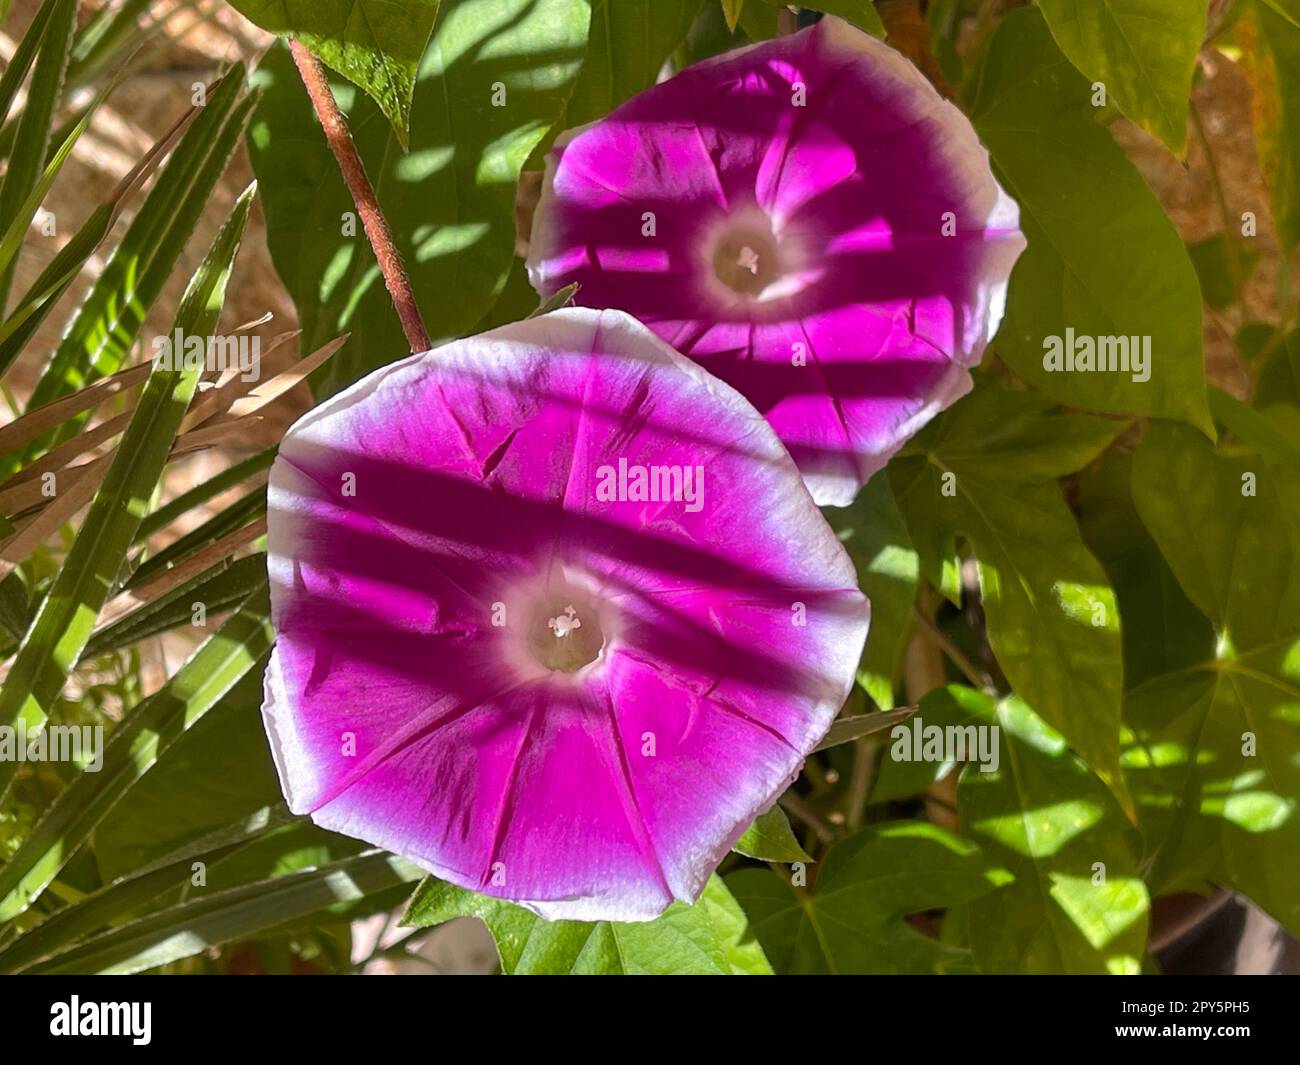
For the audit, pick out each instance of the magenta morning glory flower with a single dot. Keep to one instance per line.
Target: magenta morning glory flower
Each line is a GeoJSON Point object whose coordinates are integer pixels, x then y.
{"type": "Point", "coordinates": [807, 218]}
{"type": "Point", "coordinates": [556, 616]}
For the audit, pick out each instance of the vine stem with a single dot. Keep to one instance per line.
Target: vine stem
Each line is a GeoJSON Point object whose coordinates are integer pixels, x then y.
{"type": "Point", "coordinates": [956, 655]}
{"type": "Point", "coordinates": [1235, 268]}
{"type": "Point", "coordinates": [801, 811]}
{"type": "Point", "coordinates": [363, 195]}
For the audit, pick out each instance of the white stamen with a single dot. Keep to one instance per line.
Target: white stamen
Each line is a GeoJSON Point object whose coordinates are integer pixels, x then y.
{"type": "Point", "coordinates": [565, 623]}
{"type": "Point", "coordinates": [748, 259]}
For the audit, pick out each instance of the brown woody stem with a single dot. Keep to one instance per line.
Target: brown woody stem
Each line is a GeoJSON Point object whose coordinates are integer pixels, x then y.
{"type": "Point", "coordinates": [363, 195]}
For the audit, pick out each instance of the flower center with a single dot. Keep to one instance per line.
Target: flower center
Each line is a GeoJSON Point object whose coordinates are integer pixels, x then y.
{"type": "Point", "coordinates": [746, 260]}
{"type": "Point", "coordinates": [564, 637]}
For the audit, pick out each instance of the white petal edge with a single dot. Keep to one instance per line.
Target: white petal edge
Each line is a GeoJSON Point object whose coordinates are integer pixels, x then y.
{"type": "Point", "coordinates": [845, 652]}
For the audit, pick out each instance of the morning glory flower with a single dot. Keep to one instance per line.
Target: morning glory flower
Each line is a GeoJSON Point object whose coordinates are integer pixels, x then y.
{"type": "Point", "coordinates": [556, 616]}
{"type": "Point", "coordinates": [809, 220]}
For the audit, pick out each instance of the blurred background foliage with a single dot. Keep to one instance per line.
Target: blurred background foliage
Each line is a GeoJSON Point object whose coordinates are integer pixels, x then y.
{"type": "Point", "coordinates": [1100, 587]}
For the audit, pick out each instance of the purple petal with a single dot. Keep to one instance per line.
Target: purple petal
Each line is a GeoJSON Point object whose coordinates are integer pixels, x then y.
{"type": "Point", "coordinates": [431, 691]}
{"type": "Point", "coordinates": [798, 191]}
